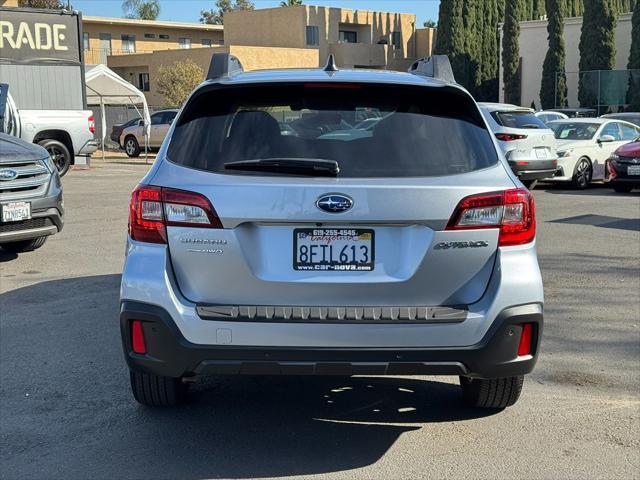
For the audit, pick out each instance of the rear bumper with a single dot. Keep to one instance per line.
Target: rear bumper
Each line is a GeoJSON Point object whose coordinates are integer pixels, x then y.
{"type": "Point", "coordinates": [88, 148]}
{"type": "Point", "coordinates": [170, 354]}
{"type": "Point", "coordinates": [534, 169]}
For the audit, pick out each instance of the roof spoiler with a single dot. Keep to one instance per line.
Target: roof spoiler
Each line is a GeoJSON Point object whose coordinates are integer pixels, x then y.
{"type": "Point", "coordinates": [223, 65]}
{"type": "Point", "coordinates": [435, 66]}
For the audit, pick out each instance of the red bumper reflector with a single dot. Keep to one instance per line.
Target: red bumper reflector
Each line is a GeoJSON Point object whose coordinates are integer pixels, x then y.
{"type": "Point", "coordinates": [137, 337]}
{"type": "Point", "coordinates": [526, 336]}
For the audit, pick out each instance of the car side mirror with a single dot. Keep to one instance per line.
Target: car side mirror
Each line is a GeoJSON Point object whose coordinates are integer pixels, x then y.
{"type": "Point", "coordinates": [141, 123]}
{"type": "Point", "coordinates": [606, 139]}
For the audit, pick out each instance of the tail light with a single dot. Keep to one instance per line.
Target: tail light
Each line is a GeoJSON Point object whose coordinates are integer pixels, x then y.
{"type": "Point", "coordinates": [152, 209]}
{"type": "Point", "coordinates": [512, 211]}
{"type": "Point", "coordinates": [611, 172]}
{"type": "Point", "coordinates": [509, 137]}
{"type": "Point", "coordinates": [92, 124]}
{"type": "Point", "coordinates": [526, 339]}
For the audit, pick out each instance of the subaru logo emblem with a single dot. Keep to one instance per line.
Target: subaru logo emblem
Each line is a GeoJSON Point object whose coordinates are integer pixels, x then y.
{"type": "Point", "coordinates": [334, 203]}
{"type": "Point", "coordinates": [7, 174]}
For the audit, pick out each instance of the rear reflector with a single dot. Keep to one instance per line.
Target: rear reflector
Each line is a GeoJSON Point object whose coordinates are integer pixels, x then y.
{"type": "Point", "coordinates": [526, 336]}
{"type": "Point", "coordinates": [152, 209]}
{"type": "Point", "coordinates": [512, 211]}
{"type": "Point", "coordinates": [510, 137]}
{"type": "Point", "coordinates": [137, 337]}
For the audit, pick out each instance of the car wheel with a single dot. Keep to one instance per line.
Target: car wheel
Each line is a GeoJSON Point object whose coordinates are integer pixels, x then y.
{"type": "Point", "coordinates": [132, 147]}
{"type": "Point", "coordinates": [157, 391]}
{"type": "Point", "coordinates": [622, 188]}
{"type": "Point", "coordinates": [59, 154]}
{"type": "Point", "coordinates": [24, 245]}
{"type": "Point", "coordinates": [582, 175]}
{"type": "Point", "coordinates": [530, 184]}
{"type": "Point", "coordinates": [491, 392]}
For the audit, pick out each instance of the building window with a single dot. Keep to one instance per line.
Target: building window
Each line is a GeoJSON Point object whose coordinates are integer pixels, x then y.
{"type": "Point", "coordinates": [347, 36]}
{"type": "Point", "coordinates": [149, 35]}
{"type": "Point", "coordinates": [85, 40]}
{"type": "Point", "coordinates": [184, 42]}
{"type": "Point", "coordinates": [164, 36]}
{"type": "Point", "coordinates": [143, 82]}
{"type": "Point", "coordinates": [128, 43]}
{"type": "Point", "coordinates": [313, 35]}
{"type": "Point", "coordinates": [221, 41]}
{"type": "Point", "coordinates": [105, 44]}
{"type": "Point", "coordinates": [396, 40]}
{"type": "Point", "coordinates": [206, 42]}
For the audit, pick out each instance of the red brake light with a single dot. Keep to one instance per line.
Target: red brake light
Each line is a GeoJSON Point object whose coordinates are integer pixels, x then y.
{"type": "Point", "coordinates": [137, 338]}
{"type": "Point", "coordinates": [611, 172]}
{"type": "Point", "coordinates": [92, 124]}
{"type": "Point", "coordinates": [152, 209]}
{"type": "Point", "coordinates": [508, 137]}
{"type": "Point", "coordinates": [526, 337]}
{"type": "Point", "coordinates": [512, 211]}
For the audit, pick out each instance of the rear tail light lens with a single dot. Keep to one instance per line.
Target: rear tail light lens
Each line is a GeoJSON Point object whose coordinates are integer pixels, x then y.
{"type": "Point", "coordinates": [152, 209]}
{"type": "Point", "coordinates": [509, 137]}
{"type": "Point", "coordinates": [511, 211]}
{"type": "Point", "coordinates": [611, 172]}
{"type": "Point", "coordinates": [526, 337]}
{"type": "Point", "coordinates": [138, 344]}
{"type": "Point", "coordinates": [92, 124]}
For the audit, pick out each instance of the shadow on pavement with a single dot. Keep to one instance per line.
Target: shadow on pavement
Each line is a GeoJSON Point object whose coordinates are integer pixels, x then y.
{"type": "Point", "coordinates": [604, 221]}
{"type": "Point", "coordinates": [595, 189]}
{"type": "Point", "coordinates": [67, 411]}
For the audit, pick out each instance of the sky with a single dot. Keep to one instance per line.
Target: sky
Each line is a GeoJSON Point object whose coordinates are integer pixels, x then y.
{"type": "Point", "coordinates": [189, 10]}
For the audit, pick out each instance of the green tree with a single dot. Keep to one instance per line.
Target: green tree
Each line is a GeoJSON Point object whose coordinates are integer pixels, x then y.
{"type": "Point", "coordinates": [141, 9]}
{"type": "Point", "coordinates": [597, 47]}
{"type": "Point", "coordinates": [511, 51]}
{"type": "Point", "coordinates": [553, 88]}
{"type": "Point", "coordinates": [290, 3]}
{"type": "Point", "coordinates": [430, 24]}
{"type": "Point", "coordinates": [216, 16]}
{"type": "Point", "coordinates": [48, 4]}
{"type": "Point", "coordinates": [177, 81]}
{"type": "Point", "coordinates": [633, 94]}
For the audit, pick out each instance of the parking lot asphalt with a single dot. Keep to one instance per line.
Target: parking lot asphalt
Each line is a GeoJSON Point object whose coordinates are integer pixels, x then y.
{"type": "Point", "coordinates": [66, 411]}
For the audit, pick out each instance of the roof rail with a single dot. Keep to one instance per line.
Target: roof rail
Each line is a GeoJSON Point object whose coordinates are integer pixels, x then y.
{"type": "Point", "coordinates": [223, 65]}
{"type": "Point", "coordinates": [435, 66]}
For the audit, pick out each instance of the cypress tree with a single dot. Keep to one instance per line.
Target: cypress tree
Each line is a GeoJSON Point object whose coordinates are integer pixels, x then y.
{"type": "Point", "coordinates": [553, 88]}
{"type": "Point", "coordinates": [597, 47]}
{"type": "Point", "coordinates": [511, 51]}
{"type": "Point", "coordinates": [450, 39]}
{"type": "Point", "coordinates": [633, 94]}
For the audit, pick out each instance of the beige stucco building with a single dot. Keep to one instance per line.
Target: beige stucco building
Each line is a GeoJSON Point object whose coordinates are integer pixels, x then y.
{"type": "Point", "coordinates": [533, 48]}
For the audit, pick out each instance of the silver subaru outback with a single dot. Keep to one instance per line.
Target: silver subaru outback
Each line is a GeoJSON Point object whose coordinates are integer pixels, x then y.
{"type": "Point", "coordinates": [403, 249]}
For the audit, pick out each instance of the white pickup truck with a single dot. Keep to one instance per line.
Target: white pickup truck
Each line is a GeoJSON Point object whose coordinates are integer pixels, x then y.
{"type": "Point", "coordinates": [65, 134]}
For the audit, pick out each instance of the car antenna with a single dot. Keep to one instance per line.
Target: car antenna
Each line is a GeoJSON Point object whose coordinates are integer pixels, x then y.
{"type": "Point", "coordinates": [331, 64]}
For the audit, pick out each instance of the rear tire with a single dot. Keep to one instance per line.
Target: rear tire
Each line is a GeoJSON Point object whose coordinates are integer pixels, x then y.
{"type": "Point", "coordinates": [59, 153]}
{"type": "Point", "coordinates": [24, 245]}
{"type": "Point", "coordinates": [131, 146]}
{"type": "Point", "coordinates": [491, 393]}
{"type": "Point", "coordinates": [622, 188]}
{"type": "Point", "coordinates": [583, 174]}
{"type": "Point", "coordinates": [157, 391]}
{"type": "Point", "coordinates": [530, 184]}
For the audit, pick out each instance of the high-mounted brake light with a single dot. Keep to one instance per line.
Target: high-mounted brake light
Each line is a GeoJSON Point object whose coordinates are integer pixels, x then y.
{"type": "Point", "coordinates": [152, 209]}
{"type": "Point", "coordinates": [92, 124]}
{"type": "Point", "coordinates": [509, 137]}
{"type": "Point", "coordinates": [512, 211]}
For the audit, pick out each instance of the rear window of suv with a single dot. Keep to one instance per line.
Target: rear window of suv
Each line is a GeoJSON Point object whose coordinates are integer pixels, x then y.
{"type": "Point", "coordinates": [411, 132]}
{"type": "Point", "coordinates": [518, 119]}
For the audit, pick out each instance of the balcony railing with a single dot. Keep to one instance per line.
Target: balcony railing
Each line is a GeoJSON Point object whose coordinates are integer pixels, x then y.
{"type": "Point", "coordinates": [99, 55]}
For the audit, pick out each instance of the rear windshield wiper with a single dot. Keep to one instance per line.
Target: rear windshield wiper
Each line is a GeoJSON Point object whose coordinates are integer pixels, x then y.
{"type": "Point", "coordinates": [530, 125]}
{"type": "Point", "coordinates": [295, 166]}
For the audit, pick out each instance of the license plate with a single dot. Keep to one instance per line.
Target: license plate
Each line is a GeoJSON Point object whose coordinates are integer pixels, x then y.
{"type": "Point", "coordinates": [16, 211]}
{"type": "Point", "coordinates": [633, 170]}
{"type": "Point", "coordinates": [541, 152]}
{"type": "Point", "coordinates": [333, 249]}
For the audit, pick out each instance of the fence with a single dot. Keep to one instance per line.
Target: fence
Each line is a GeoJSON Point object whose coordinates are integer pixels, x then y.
{"type": "Point", "coordinates": [604, 90]}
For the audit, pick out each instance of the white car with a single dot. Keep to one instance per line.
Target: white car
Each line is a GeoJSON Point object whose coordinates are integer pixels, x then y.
{"type": "Point", "coordinates": [584, 144]}
{"type": "Point", "coordinates": [549, 116]}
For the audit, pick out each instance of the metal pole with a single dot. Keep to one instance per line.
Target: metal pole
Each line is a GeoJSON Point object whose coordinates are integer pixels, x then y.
{"type": "Point", "coordinates": [599, 72]}
{"type": "Point", "coordinates": [555, 92]}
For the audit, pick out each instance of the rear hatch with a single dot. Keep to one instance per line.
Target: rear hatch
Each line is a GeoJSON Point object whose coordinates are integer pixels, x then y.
{"type": "Point", "coordinates": [288, 228]}
{"type": "Point", "coordinates": [523, 136]}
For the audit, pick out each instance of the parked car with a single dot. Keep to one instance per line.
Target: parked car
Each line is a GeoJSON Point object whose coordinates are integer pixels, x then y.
{"type": "Point", "coordinates": [527, 143]}
{"type": "Point", "coordinates": [548, 116]}
{"type": "Point", "coordinates": [631, 117]}
{"type": "Point", "coordinates": [584, 144]}
{"type": "Point", "coordinates": [577, 112]}
{"type": "Point", "coordinates": [132, 138]}
{"type": "Point", "coordinates": [117, 130]}
{"type": "Point", "coordinates": [65, 134]}
{"type": "Point", "coordinates": [31, 207]}
{"type": "Point", "coordinates": [408, 252]}
{"type": "Point", "coordinates": [622, 168]}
